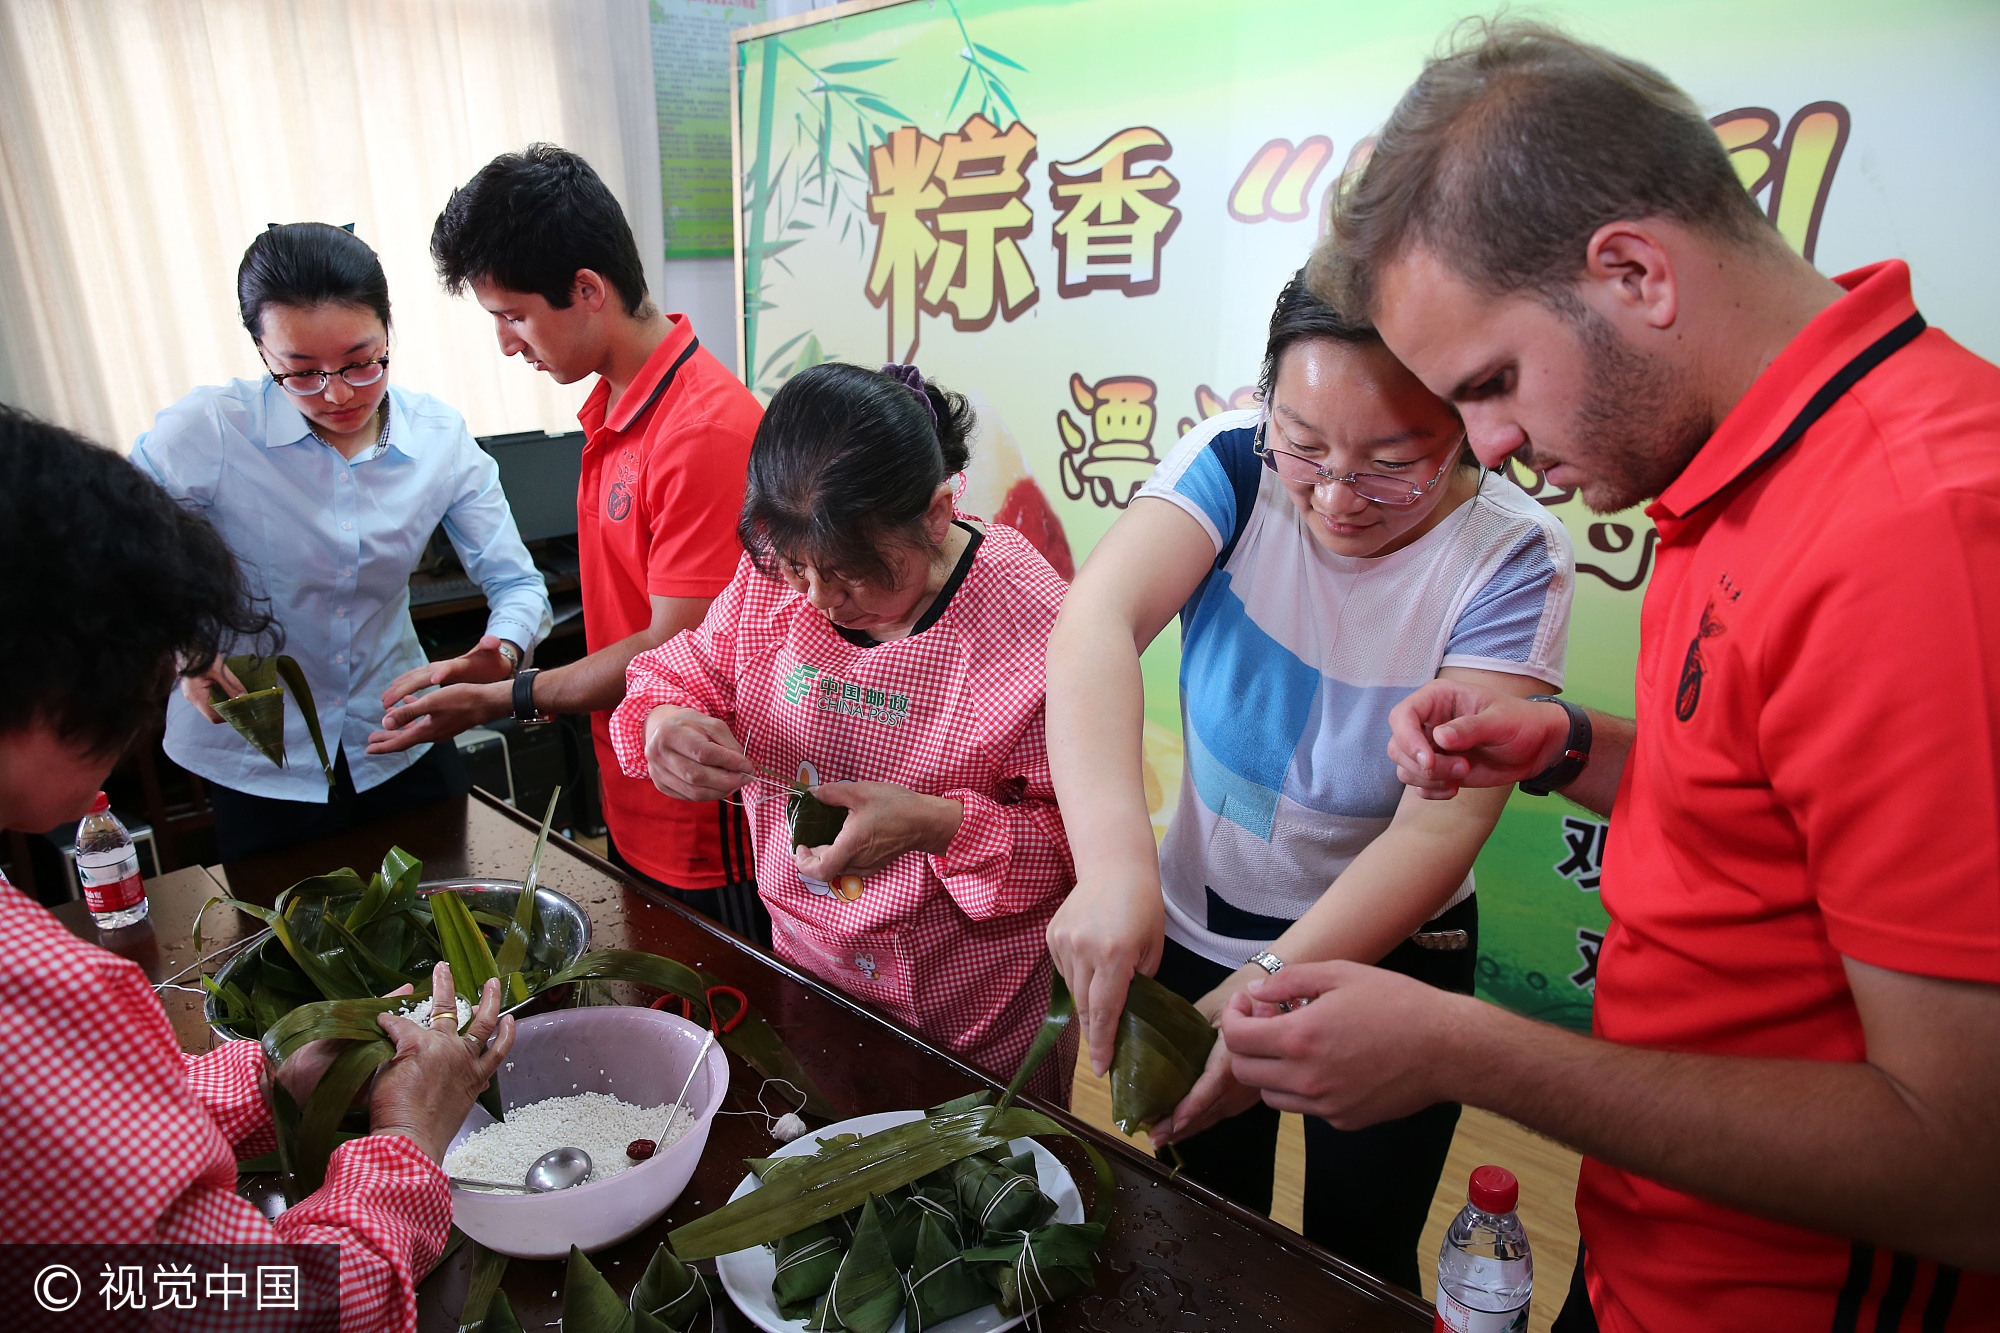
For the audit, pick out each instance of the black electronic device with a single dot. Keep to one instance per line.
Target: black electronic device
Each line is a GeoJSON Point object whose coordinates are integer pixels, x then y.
{"type": "Point", "coordinates": [539, 472]}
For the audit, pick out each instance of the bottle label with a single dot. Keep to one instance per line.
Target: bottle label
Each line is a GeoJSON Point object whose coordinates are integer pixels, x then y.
{"type": "Point", "coordinates": [111, 883]}
{"type": "Point", "coordinates": [1461, 1319]}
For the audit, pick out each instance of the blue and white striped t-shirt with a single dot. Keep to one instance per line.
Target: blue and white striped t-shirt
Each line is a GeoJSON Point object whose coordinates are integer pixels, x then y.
{"type": "Point", "coordinates": [1292, 657]}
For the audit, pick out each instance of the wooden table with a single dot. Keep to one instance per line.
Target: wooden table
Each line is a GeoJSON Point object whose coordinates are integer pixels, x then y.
{"type": "Point", "coordinates": [1178, 1257]}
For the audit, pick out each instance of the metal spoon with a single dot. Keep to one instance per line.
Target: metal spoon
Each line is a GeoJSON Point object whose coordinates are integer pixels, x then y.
{"type": "Point", "coordinates": [556, 1169]}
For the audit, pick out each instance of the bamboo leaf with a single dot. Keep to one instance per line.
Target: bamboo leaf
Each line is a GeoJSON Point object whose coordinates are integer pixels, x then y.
{"type": "Point", "coordinates": [867, 1292]}
{"type": "Point", "coordinates": [513, 955]}
{"type": "Point", "coordinates": [786, 346]}
{"type": "Point", "coordinates": [302, 695]}
{"type": "Point", "coordinates": [373, 899]}
{"type": "Point", "coordinates": [488, 1267]}
{"type": "Point", "coordinates": [332, 983]}
{"type": "Point", "coordinates": [329, 1101]}
{"type": "Point", "coordinates": [963, 79]}
{"type": "Point", "coordinates": [463, 946]}
{"type": "Point", "coordinates": [1038, 1267]}
{"type": "Point", "coordinates": [1062, 1008]}
{"type": "Point", "coordinates": [234, 1003]}
{"type": "Point", "coordinates": [384, 974]}
{"type": "Point", "coordinates": [826, 1187]}
{"type": "Point", "coordinates": [1162, 1047]}
{"type": "Point", "coordinates": [876, 104]}
{"type": "Point", "coordinates": [855, 66]}
{"type": "Point", "coordinates": [589, 1304]}
{"type": "Point", "coordinates": [403, 872]}
{"type": "Point", "coordinates": [671, 1291]}
{"type": "Point", "coordinates": [500, 1316]}
{"type": "Point", "coordinates": [991, 54]}
{"type": "Point", "coordinates": [330, 1020]}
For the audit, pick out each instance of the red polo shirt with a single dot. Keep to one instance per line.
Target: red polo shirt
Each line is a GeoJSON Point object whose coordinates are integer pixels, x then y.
{"type": "Point", "coordinates": [662, 488]}
{"type": "Point", "coordinates": [1814, 778]}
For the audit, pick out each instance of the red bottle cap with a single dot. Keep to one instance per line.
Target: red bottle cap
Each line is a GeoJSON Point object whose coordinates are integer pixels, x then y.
{"type": "Point", "coordinates": [1494, 1190]}
{"type": "Point", "coordinates": [98, 806]}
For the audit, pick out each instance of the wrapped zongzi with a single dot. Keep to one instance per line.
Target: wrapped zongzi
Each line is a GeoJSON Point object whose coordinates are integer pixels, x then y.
{"type": "Point", "coordinates": [941, 1284]}
{"type": "Point", "coordinates": [807, 1262]}
{"type": "Point", "coordinates": [1163, 1044]}
{"type": "Point", "coordinates": [867, 1292]}
{"type": "Point", "coordinates": [1036, 1267]}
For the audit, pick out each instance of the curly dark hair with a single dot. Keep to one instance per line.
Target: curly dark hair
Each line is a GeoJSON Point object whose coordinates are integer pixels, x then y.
{"type": "Point", "coordinates": [529, 220]}
{"type": "Point", "coordinates": [106, 587]}
{"type": "Point", "coordinates": [845, 462]}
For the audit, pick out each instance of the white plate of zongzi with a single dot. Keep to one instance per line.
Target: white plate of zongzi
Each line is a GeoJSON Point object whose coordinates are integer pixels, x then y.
{"type": "Point", "coordinates": [748, 1275]}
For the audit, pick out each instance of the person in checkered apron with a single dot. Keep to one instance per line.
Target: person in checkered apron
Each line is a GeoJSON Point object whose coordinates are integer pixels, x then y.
{"type": "Point", "coordinates": [891, 650]}
{"type": "Point", "coordinates": [122, 1139]}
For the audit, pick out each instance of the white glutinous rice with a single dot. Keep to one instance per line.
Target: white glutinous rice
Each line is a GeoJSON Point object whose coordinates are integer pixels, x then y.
{"type": "Point", "coordinates": [420, 1012]}
{"type": "Point", "coordinates": [599, 1124]}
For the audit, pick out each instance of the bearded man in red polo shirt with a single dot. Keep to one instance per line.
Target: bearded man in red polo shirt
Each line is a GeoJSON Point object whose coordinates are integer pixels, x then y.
{"type": "Point", "coordinates": [1788, 1103]}
{"type": "Point", "coordinates": [548, 253]}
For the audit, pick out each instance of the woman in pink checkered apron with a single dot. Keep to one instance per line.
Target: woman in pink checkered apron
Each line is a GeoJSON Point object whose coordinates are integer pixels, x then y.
{"type": "Point", "coordinates": [891, 649]}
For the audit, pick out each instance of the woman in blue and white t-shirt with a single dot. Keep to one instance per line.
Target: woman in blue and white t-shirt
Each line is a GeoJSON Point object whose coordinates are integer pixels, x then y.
{"type": "Point", "coordinates": [1327, 554]}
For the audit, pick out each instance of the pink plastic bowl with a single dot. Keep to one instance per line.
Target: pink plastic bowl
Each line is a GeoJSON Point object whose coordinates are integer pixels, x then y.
{"type": "Point", "coordinates": [637, 1055]}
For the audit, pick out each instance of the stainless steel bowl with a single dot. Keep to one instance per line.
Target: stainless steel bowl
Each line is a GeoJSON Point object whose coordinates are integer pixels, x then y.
{"type": "Point", "coordinates": [561, 935]}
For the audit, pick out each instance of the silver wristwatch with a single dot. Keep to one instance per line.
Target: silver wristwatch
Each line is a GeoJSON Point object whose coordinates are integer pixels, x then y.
{"type": "Point", "coordinates": [512, 654]}
{"type": "Point", "coordinates": [1267, 960]}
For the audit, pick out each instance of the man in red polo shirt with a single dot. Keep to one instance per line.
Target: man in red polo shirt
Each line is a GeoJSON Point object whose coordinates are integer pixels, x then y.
{"type": "Point", "coordinates": [1788, 1103]}
{"type": "Point", "coordinates": [547, 252]}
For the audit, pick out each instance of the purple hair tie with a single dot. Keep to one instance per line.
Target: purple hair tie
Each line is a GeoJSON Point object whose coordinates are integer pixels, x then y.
{"type": "Point", "coordinates": [912, 379]}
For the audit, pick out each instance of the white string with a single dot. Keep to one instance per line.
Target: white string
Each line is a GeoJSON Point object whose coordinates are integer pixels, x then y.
{"type": "Point", "coordinates": [810, 1251]}
{"type": "Point", "coordinates": [986, 1213]}
{"type": "Point", "coordinates": [786, 1127]}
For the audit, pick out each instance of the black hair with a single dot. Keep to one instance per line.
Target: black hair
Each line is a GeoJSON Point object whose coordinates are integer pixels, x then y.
{"type": "Point", "coordinates": [308, 264]}
{"type": "Point", "coordinates": [1302, 315]}
{"type": "Point", "coordinates": [528, 221]}
{"type": "Point", "coordinates": [110, 586]}
{"type": "Point", "coordinates": [845, 461]}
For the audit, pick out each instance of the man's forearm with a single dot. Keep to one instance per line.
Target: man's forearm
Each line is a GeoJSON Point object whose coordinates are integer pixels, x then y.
{"type": "Point", "coordinates": [1610, 744]}
{"type": "Point", "coordinates": [1832, 1147]}
{"type": "Point", "coordinates": [596, 683]}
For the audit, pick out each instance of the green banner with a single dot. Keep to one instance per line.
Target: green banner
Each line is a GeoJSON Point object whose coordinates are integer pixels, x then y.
{"type": "Point", "coordinates": [1080, 215]}
{"type": "Point", "coordinates": [691, 90]}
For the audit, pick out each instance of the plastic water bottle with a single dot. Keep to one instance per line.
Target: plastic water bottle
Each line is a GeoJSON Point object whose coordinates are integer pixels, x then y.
{"type": "Point", "coordinates": [108, 865]}
{"type": "Point", "coordinates": [1485, 1273]}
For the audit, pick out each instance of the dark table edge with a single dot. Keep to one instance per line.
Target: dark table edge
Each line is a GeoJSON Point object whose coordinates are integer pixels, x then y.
{"type": "Point", "coordinates": [1281, 1236]}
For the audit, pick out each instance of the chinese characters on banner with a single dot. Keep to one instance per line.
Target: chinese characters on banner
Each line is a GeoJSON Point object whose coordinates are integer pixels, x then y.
{"type": "Point", "coordinates": [950, 214]}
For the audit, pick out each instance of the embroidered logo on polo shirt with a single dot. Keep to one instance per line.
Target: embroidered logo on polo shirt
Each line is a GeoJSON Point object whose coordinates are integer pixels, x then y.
{"type": "Point", "coordinates": [618, 501]}
{"type": "Point", "coordinates": [1688, 696]}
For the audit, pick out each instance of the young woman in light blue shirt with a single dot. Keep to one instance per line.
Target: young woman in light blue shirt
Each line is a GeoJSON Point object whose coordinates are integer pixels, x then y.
{"type": "Point", "coordinates": [327, 483]}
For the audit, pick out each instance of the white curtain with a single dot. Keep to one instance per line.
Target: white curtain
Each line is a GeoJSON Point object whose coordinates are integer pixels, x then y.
{"type": "Point", "coordinates": [143, 143]}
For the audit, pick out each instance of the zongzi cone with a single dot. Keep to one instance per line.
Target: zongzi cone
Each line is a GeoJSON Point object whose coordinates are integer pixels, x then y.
{"type": "Point", "coordinates": [259, 717]}
{"type": "Point", "coordinates": [807, 1263]}
{"type": "Point", "coordinates": [867, 1292]}
{"type": "Point", "coordinates": [941, 1283]}
{"type": "Point", "coordinates": [1163, 1045]}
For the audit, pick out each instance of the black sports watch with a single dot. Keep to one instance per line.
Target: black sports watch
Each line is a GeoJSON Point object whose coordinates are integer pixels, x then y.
{"type": "Point", "coordinates": [525, 711]}
{"type": "Point", "coordinates": [1569, 765]}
